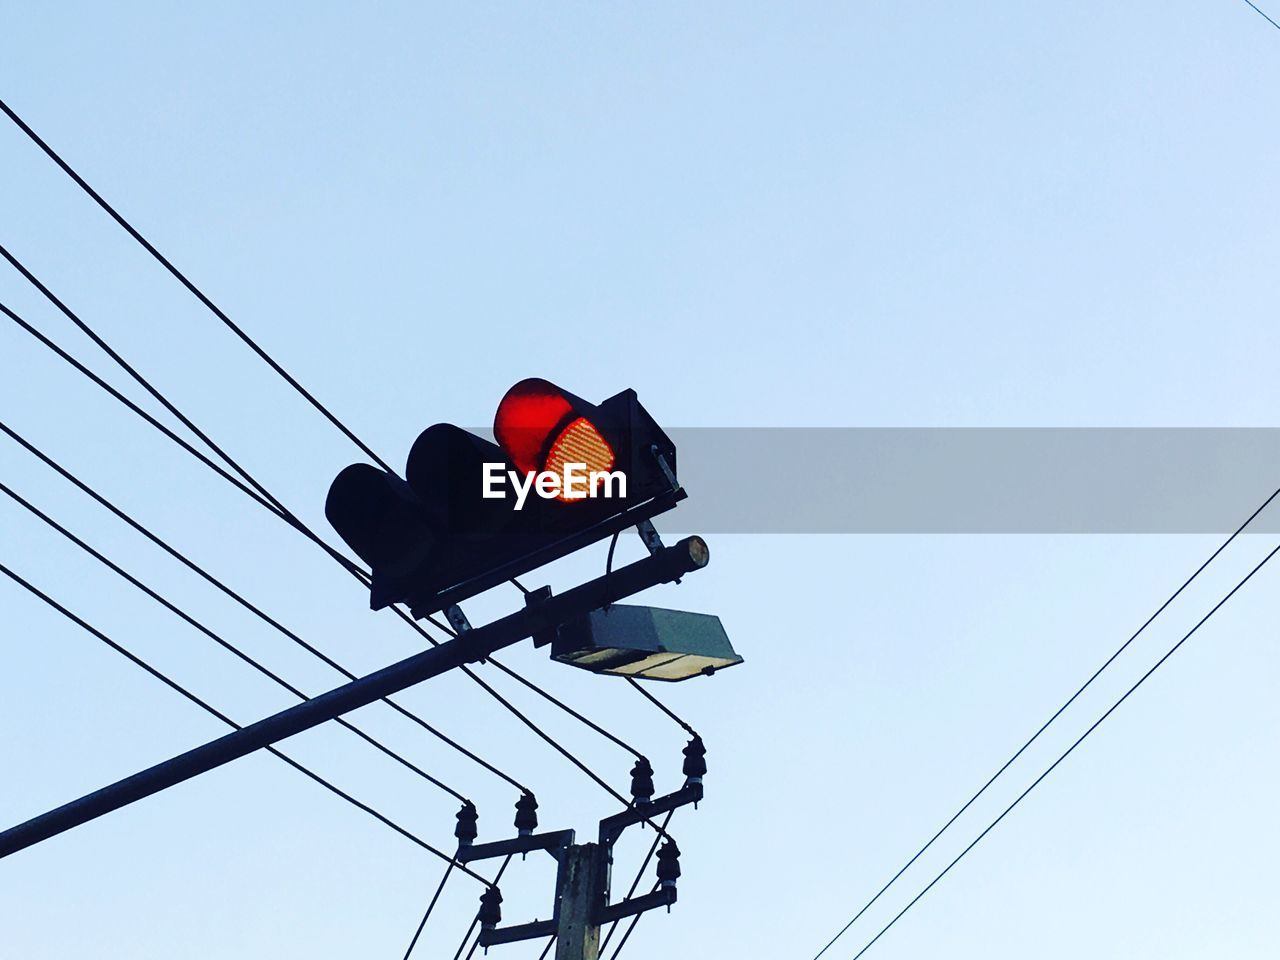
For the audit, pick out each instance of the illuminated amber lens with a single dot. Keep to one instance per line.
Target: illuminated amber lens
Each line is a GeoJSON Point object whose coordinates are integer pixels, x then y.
{"type": "Point", "coordinates": [580, 442]}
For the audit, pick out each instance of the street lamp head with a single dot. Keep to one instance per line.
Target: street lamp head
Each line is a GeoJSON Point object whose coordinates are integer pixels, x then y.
{"type": "Point", "coordinates": [647, 643]}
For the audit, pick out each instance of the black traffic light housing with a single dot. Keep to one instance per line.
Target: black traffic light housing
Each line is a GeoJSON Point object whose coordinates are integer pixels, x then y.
{"type": "Point", "coordinates": [433, 539]}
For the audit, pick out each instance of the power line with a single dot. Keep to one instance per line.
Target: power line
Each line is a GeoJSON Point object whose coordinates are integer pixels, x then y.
{"type": "Point", "coordinates": [630, 929]}
{"type": "Point", "coordinates": [1056, 714]}
{"type": "Point", "coordinates": [280, 508]}
{"type": "Point", "coordinates": [182, 278]}
{"type": "Point", "coordinates": [352, 568]}
{"type": "Point", "coordinates": [1263, 15]}
{"type": "Point", "coordinates": [608, 568]}
{"type": "Point", "coordinates": [661, 706]}
{"type": "Point", "coordinates": [255, 489]}
{"type": "Point", "coordinates": [178, 688]}
{"type": "Point", "coordinates": [551, 741]}
{"type": "Point", "coordinates": [142, 381]}
{"type": "Point", "coordinates": [1097, 723]}
{"type": "Point", "coordinates": [216, 638]}
{"type": "Point", "coordinates": [549, 697]}
{"type": "Point", "coordinates": [263, 495]}
{"type": "Point", "coordinates": [546, 737]}
{"type": "Point", "coordinates": [230, 324]}
{"type": "Point", "coordinates": [476, 919]}
{"type": "Point", "coordinates": [246, 604]}
{"type": "Point", "coordinates": [133, 407]}
{"type": "Point", "coordinates": [430, 907]}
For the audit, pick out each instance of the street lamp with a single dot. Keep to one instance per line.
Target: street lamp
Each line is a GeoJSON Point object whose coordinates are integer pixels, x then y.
{"type": "Point", "coordinates": [647, 643]}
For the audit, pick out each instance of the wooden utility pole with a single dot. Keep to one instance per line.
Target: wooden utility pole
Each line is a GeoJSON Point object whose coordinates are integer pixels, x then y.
{"type": "Point", "coordinates": [582, 883]}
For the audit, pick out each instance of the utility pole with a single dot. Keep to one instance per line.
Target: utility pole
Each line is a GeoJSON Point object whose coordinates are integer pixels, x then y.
{"type": "Point", "coordinates": [582, 891]}
{"type": "Point", "coordinates": [582, 904]}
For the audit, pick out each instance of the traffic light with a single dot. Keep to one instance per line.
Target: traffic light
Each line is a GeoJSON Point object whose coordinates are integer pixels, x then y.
{"type": "Point", "coordinates": [470, 513]}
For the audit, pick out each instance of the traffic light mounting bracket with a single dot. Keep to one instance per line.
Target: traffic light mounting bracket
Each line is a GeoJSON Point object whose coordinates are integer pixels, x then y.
{"type": "Point", "coordinates": [649, 534]}
{"type": "Point", "coordinates": [457, 619]}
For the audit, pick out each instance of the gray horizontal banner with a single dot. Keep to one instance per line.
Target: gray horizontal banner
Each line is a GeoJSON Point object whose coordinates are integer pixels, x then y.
{"type": "Point", "coordinates": [976, 480]}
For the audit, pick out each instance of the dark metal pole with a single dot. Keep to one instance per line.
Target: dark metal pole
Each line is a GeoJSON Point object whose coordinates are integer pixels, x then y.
{"type": "Point", "coordinates": [668, 564]}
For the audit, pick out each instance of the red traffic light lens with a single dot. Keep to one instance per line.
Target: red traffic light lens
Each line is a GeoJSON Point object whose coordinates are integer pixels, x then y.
{"type": "Point", "coordinates": [544, 428]}
{"type": "Point", "coordinates": [526, 419]}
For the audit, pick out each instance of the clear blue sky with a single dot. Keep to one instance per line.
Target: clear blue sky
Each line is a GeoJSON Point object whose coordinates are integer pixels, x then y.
{"type": "Point", "coordinates": [843, 215]}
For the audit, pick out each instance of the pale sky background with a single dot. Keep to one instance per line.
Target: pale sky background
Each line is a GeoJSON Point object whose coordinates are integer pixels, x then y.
{"type": "Point", "coordinates": [932, 214]}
